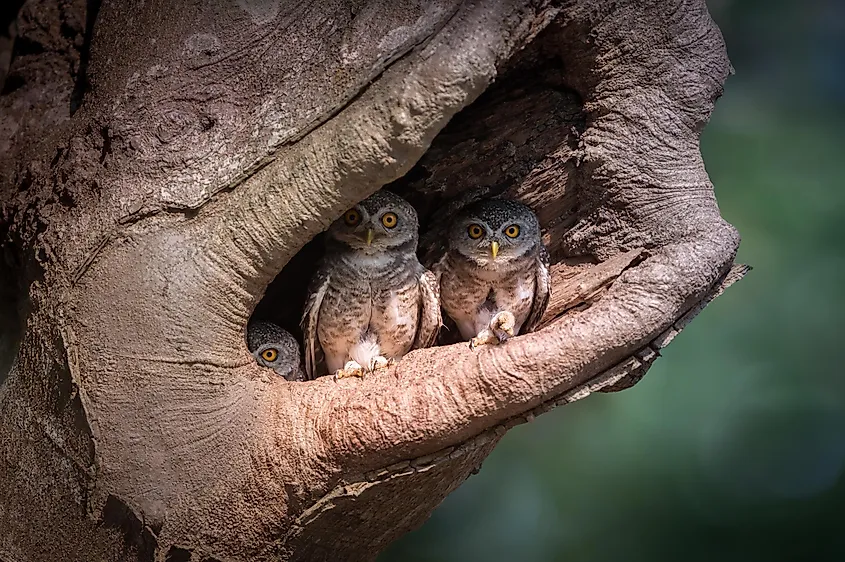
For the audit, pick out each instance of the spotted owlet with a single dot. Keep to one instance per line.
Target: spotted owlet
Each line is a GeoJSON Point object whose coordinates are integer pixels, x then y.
{"type": "Point", "coordinates": [276, 349]}
{"type": "Point", "coordinates": [494, 271]}
{"type": "Point", "coordinates": [370, 300]}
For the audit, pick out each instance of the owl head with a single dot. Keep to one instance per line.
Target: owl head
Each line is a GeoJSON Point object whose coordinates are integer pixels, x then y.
{"type": "Point", "coordinates": [276, 349]}
{"type": "Point", "coordinates": [495, 233]}
{"type": "Point", "coordinates": [383, 221]}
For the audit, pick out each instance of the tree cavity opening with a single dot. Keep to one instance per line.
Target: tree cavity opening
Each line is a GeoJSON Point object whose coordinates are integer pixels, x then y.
{"type": "Point", "coordinates": [518, 140]}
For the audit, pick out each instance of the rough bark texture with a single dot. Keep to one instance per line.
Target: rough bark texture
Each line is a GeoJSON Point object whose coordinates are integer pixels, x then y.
{"type": "Point", "coordinates": [163, 162]}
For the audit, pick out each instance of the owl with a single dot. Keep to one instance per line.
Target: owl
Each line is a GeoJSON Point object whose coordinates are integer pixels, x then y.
{"type": "Point", "coordinates": [493, 271]}
{"type": "Point", "coordinates": [276, 349]}
{"type": "Point", "coordinates": [370, 301]}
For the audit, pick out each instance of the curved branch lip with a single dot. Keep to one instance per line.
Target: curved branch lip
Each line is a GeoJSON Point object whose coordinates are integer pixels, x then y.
{"type": "Point", "coordinates": [441, 396]}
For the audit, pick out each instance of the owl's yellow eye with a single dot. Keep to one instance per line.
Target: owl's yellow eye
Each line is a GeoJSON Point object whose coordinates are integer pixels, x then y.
{"type": "Point", "coordinates": [352, 217]}
{"type": "Point", "coordinates": [512, 231]}
{"type": "Point", "coordinates": [389, 220]}
{"type": "Point", "coordinates": [269, 354]}
{"type": "Point", "coordinates": [475, 231]}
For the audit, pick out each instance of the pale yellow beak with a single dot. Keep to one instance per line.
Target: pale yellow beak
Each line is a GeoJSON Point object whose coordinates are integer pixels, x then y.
{"type": "Point", "coordinates": [370, 235]}
{"type": "Point", "coordinates": [494, 249]}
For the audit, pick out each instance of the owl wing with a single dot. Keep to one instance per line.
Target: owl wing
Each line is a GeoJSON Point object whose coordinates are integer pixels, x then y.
{"type": "Point", "coordinates": [448, 333]}
{"type": "Point", "coordinates": [430, 319]}
{"type": "Point", "coordinates": [542, 290]}
{"type": "Point", "coordinates": [310, 318]}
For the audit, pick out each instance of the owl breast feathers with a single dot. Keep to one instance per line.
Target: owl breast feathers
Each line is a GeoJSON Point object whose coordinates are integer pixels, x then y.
{"type": "Point", "coordinates": [493, 271]}
{"type": "Point", "coordinates": [370, 300]}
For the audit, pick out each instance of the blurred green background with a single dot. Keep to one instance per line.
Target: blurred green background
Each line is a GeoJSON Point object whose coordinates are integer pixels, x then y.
{"type": "Point", "coordinates": [733, 446]}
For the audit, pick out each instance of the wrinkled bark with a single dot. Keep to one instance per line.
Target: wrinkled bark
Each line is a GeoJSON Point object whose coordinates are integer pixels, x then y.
{"type": "Point", "coordinates": [164, 162]}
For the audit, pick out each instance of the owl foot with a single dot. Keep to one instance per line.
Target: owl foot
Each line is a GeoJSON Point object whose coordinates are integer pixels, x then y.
{"type": "Point", "coordinates": [502, 327]}
{"type": "Point", "coordinates": [484, 338]}
{"type": "Point", "coordinates": [351, 369]}
{"type": "Point", "coordinates": [378, 363]}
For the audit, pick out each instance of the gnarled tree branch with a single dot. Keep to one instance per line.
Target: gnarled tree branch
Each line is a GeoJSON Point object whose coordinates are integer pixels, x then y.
{"type": "Point", "coordinates": [216, 142]}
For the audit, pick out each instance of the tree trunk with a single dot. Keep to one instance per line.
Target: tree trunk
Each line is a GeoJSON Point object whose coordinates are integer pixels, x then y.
{"type": "Point", "coordinates": [163, 162]}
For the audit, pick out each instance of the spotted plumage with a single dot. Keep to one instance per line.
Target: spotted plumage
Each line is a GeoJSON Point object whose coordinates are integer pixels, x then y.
{"type": "Point", "coordinates": [274, 348]}
{"type": "Point", "coordinates": [371, 300]}
{"type": "Point", "coordinates": [493, 271]}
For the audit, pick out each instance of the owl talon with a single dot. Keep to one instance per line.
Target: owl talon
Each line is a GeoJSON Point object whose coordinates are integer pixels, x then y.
{"type": "Point", "coordinates": [378, 363]}
{"type": "Point", "coordinates": [351, 369]}
{"type": "Point", "coordinates": [484, 338]}
{"type": "Point", "coordinates": [502, 327]}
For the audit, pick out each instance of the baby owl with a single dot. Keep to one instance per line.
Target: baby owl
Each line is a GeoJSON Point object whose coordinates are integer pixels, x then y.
{"type": "Point", "coordinates": [494, 271]}
{"type": "Point", "coordinates": [275, 349]}
{"type": "Point", "coordinates": [370, 300]}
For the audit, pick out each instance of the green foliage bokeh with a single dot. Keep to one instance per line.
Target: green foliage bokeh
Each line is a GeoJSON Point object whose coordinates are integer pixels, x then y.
{"type": "Point", "coordinates": [733, 446]}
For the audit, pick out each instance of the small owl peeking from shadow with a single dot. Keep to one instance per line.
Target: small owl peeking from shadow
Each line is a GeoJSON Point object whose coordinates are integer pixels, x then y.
{"type": "Point", "coordinates": [493, 271]}
{"type": "Point", "coordinates": [370, 301]}
{"type": "Point", "coordinates": [276, 349]}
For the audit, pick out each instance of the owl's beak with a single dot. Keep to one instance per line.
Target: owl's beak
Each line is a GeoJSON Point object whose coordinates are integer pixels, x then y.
{"type": "Point", "coordinates": [370, 235]}
{"type": "Point", "coordinates": [494, 249]}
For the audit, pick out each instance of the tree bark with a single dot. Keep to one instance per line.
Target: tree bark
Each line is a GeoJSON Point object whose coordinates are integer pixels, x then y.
{"type": "Point", "coordinates": [163, 162]}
